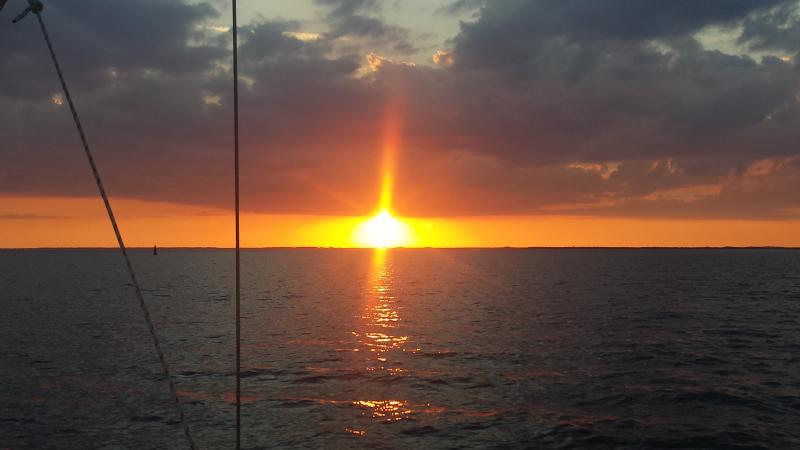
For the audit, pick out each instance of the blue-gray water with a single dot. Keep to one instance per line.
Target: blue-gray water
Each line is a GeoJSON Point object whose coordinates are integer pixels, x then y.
{"type": "Point", "coordinates": [406, 349]}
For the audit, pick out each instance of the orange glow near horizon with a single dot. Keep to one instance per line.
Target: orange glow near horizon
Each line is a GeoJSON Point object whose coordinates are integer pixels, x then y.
{"type": "Point", "coordinates": [30, 222]}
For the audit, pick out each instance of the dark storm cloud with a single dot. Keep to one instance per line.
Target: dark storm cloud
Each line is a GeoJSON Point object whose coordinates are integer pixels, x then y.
{"type": "Point", "coordinates": [161, 131]}
{"type": "Point", "coordinates": [103, 34]}
{"type": "Point", "coordinates": [137, 84]}
{"type": "Point", "coordinates": [610, 74]}
{"type": "Point", "coordinates": [560, 107]}
{"type": "Point", "coordinates": [634, 101]}
{"type": "Point", "coordinates": [544, 83]}
{"type": "Point", "coordinates": [351, 18]}
{"type": "Point", "coordinates": [601, 19]}
{"type": "Point", "coordinates": [521, 33]}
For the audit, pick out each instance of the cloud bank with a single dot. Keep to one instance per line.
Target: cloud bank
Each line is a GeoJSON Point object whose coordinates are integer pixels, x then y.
{"type": "Point", "coordinates": [678, 109]}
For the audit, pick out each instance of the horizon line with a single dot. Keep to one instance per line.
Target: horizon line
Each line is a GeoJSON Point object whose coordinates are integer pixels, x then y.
{"type": "Point", "coordinates": [310, 247]}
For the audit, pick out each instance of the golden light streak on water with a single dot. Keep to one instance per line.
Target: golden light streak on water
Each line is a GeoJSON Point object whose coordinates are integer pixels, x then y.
{"type": "Point", "coordinates": [380, 336]}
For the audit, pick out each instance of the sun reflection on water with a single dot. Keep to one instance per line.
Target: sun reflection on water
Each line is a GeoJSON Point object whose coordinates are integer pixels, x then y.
{"type": "Point", "coordinates": [381, 316]}
{"type": "Point", "coordinates": [380, 336]}
{"type": "Point", "coordinates": [386, 410]}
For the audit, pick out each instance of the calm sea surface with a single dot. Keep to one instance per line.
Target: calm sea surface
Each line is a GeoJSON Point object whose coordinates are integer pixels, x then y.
{"type": "Point", "coordinates": [406, 349]}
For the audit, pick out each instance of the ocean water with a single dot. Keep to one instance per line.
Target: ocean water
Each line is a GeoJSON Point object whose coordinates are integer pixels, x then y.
{"type": "Point", "coordinates": [405, 349]}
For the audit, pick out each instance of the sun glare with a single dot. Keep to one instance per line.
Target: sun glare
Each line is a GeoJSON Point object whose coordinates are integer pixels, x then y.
{"type": "Point", "coordinates": [383, 231]}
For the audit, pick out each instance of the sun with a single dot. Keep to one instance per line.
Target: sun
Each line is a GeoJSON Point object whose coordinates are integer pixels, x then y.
{"type": "Point", "coordinates": [383, 231]}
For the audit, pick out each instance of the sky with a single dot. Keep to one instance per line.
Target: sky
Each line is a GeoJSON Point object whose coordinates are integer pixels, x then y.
{"type": "Point", "coordinates": [475, 123]}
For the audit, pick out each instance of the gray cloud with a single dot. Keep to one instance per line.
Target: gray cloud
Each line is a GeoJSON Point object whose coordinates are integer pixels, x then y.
{"type": "Point", "coordinates": [102, 34]}
{"type": "Point", "coordinates": [352, 18]}
{"type": "Point", "coordinates": [573, 107]}
{"type": "Point", "coordinates": [461, 6]}
{"type": "Point", "coordinates": [773, 29]}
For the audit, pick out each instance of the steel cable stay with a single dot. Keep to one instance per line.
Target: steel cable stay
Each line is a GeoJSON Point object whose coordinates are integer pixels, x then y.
{"type": "Point", "coordinates": [36, 7]}
{"type": "Point", "coordinates": [235, 36]}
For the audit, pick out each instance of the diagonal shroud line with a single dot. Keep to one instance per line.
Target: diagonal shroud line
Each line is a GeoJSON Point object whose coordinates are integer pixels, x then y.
{"type": "Point", "coordinates": [156, 343]}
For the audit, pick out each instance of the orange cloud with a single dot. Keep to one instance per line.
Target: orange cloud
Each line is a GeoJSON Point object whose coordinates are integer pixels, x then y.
{"type": "Point", "coordinates": [443, 58]}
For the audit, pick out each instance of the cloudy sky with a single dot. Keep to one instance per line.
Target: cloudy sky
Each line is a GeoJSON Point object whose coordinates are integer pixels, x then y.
{"type": "Point", "coordinates": [649, 111]}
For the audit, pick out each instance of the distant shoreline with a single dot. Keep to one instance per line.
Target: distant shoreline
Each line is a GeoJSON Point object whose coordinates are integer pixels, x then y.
{"type": "Point", "coordinates": [409, 248]}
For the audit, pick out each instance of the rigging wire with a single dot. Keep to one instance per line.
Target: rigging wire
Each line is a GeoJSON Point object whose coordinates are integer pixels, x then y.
{"type": "Point", "coordinates": [236, 201]}
{"type": "Point", "coordinates": [36, 8]}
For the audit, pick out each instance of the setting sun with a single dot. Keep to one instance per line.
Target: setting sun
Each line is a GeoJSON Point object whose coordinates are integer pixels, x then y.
{"type": "Point", "coordinates": [383, 231]}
